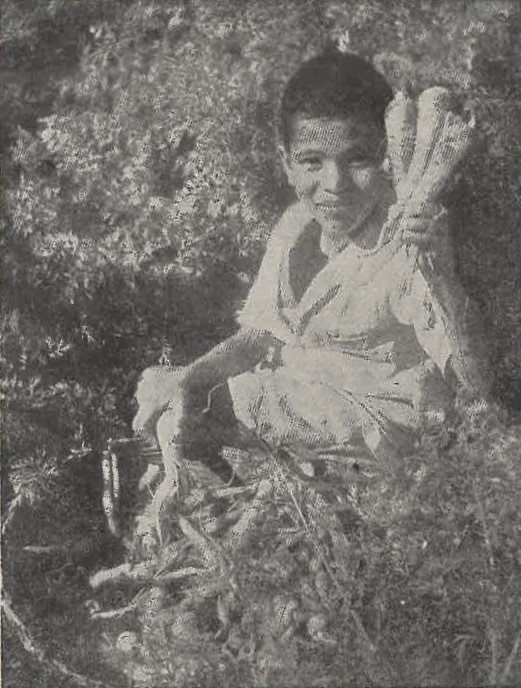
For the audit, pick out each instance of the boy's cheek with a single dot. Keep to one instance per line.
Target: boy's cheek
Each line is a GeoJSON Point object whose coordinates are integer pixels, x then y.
{"type": "Point", "coordinates": [364, 178]}
{"type": "Point", "coordinates": [304, 192]}
{"type": "Point", "coordinates": [300, 179]}
{"type": "Point", "coordinates": [304, 188]}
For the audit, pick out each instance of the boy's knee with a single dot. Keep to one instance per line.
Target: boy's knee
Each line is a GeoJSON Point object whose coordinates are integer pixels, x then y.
{"type": "Point", "coordinates": [220, 406]}
{"type": "Point", "coordinates": [201, 430]}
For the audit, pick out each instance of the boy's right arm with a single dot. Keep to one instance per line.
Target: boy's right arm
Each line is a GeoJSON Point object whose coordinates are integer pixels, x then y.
{"type": "Point", "coordinates": [188, 387]}
{"type": "Point", "coordinates": [237, 354]}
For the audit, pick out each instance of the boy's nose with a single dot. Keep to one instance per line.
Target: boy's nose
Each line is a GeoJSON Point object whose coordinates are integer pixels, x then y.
{"type": "Point", "coordinates": [334, 178]}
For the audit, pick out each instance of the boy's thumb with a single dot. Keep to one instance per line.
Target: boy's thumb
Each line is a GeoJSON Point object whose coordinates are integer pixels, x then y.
{"type": "Point", "coordinates": [144, 420]}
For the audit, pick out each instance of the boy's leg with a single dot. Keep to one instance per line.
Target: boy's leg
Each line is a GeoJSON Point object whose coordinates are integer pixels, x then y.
{"type": "Point", "coordinates": [204, 434]}
{"type": "Point", "coordinates": [215, 428]}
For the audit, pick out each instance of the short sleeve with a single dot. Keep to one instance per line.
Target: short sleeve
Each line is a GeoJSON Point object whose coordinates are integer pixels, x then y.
{"type": "Point", "coordinates": [262, 309]}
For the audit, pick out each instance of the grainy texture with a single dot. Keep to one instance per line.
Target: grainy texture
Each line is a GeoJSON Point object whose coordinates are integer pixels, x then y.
{"type": "Point", "coordinates": [140, 181]}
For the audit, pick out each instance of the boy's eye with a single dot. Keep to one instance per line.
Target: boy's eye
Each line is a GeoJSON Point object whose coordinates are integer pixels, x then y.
{"type": "Point", "coordinates": [359, 160]}
{"type": "Point", "coordinates": [313, 162]}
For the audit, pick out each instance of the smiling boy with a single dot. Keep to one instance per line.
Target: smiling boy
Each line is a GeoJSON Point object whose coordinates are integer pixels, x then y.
{"type": "Point", "coordinates": [341, 340]}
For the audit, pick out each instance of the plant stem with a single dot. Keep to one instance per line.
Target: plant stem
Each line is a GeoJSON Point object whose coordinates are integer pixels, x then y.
{"type": "Point", "coordinates": [510, 660]}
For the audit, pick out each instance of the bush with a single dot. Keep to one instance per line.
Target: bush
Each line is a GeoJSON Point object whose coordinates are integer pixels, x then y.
{"type": "Point", "coordinates": [136, 209]}
{"type": "Point", "coordinates": [132, 230]}
{"type": "Point", "coordinates": [377, 575]}
{"type": "Point", "coordinates": [381, 578]}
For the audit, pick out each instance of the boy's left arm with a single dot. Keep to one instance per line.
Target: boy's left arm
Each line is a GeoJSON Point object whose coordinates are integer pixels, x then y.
{"type": "Point", "coordinates": [432, 300]}
{"type": "Point", "coordinates": [460, 322]}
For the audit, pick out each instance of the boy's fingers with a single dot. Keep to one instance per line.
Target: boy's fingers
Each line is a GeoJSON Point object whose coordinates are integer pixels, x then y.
{"type": "Point", "coordinates": [422, 240]}
{"type": "Point", "coordinates": [428, 216]}
{"type": "Point", "coordinates": [417, 234]}
{"type": "Point", "coordinates": [145, 419]}
{"type": "Point", "coordinates": [140, 419]}
{"type": "Point", "coordinates": [417, 228]}
{"type": "Point", "coordinates": [423, 224]}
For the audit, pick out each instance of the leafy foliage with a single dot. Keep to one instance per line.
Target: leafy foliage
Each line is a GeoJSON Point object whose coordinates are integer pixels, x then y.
{"type": "Point", "coordinates": [127, 241]}
{"type": "Point", "coordinates": [317, 572]}
{"type": "Point", "coordinates": [137, 197]}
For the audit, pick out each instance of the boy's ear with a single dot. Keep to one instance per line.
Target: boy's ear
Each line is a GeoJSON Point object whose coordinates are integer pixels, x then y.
{"type": "Point", "coordinates": [285, 160]}
{"type": "Point", "coordinates": [381, 151]}
{"type": "Point", "coordinates": [284, 157]}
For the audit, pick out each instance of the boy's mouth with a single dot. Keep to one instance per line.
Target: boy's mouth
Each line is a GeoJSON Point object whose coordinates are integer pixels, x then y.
{"type": "Point", "coordinates": [332, 205]}
{"type": "Point", "coordinates": [332, 209]}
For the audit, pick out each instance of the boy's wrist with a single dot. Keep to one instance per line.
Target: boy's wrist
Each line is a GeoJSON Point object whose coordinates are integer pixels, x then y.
{"type": "Point", "coordinates": [234, 356]}
{"type": "Point", "coordinates": [199, 375]}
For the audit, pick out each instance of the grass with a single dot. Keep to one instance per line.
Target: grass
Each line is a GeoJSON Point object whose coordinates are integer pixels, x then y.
{"type": "Point", "coordinates": [311, 573]}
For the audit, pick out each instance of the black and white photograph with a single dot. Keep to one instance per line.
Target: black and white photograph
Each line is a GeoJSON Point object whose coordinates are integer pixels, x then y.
{"type": "Point", "coordinates": [261, 343]}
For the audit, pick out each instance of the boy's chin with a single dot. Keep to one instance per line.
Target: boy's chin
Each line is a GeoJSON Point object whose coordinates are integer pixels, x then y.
{"type": "Point", "coordinates": [334, 223]}
{"type": "Point", "coordinates": [347, 221]}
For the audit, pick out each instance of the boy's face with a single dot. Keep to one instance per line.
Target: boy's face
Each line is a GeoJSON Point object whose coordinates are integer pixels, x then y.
{"type": "Point", "coordinates": [334, 167]}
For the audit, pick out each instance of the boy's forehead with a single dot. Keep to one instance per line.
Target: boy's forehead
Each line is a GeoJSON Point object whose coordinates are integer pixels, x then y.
{"type": "Point", "coordinates": [332, 135]}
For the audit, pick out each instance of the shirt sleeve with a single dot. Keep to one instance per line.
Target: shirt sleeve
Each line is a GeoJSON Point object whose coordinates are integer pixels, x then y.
{"type": "Point", "coordinates": [262, 308]}
{"type": "Point", "coordinates": [432, 301]}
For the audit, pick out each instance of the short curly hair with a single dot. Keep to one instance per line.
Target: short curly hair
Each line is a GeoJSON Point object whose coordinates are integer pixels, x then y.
{"type": "Point", "coordinates": [334, 85]}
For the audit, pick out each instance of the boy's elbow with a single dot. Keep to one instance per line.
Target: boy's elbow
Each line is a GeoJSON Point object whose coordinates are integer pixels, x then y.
{"type": "Point", "coordinates": [258, 341]}
{"type": "Point", "coordinates": [241, 352]}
